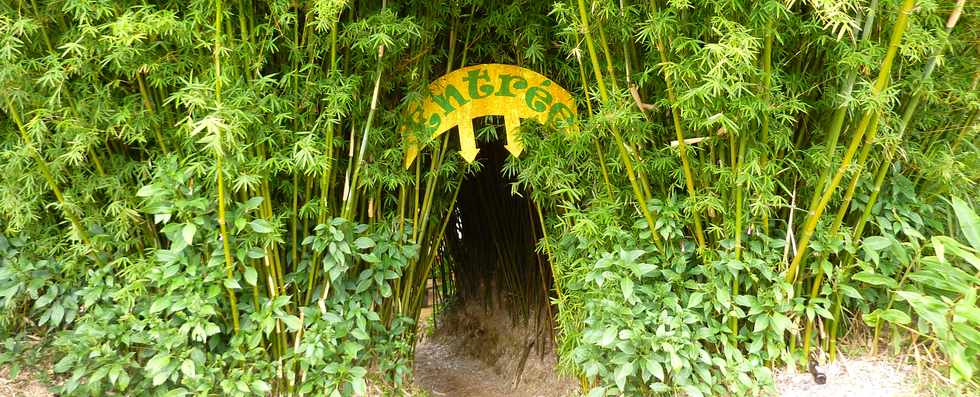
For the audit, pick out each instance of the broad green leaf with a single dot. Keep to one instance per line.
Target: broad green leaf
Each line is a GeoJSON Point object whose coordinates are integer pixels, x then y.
{"type": "Point", "coordinates": [148, 191]}
{"type": "Point", "coordinates": [724, 297]}
{"type": "Point", "coordinates": [260, 387]}
{"type": "Point", "coordinates": [643, 269]}
{"type": "Point", "coordinates": [961, 365]}
{"type": "Point", "coordinates": [123, 381]}
{"type": "Point", "coordinates": [874, 279]}
{"type": "Point", "coordinates": [876, 243]}
{"type": "Point", "coordinates": [967, 333]}
{"type": "Point", "coordinates": [360, 334]}
{"type": "Point", "coordinates": [351, 348]}
{"type": "Point", "coordinates": [47, 298]}
{"type": "Point", "coordinates": [231, 283]}
{"type": "Point", "coordinates": [969, 222]}
{"type": "Point", "coordinates": [695, 300]}
{"type": "Point", "coordinates": [261, 226]}
{"type": "Point", "coordinates": [252, 203]}
{"type": "Point", "coordinates": [160, 377]}
{"type": "Point", "coordinates": [655, 368]}
{"type": "Point", "coordinates": [364, 242]}
{"type": "Point", "coordinates": [360, 387]}
{"type": "Point", "coordinates": [256, 253]}
{"type": "Point", "coordinates": [943, 243]}
{"type": "Point", "coordinates": [850, 292]}
{"type": "Point", "coordinates": [627, 287]}
{"type": "Point", "coordinates": [623, 372]}
{"type": "Point", "coordinates": [188, 233]}
{"type": "Point", "coordinates": [160, 304]}
{"type": "Point", "coordinates": [927, 307]}
{"type": "Point", "coordinates": [188, 368]}
{"type": "Point", "coordinates": [251, 276]}
{"type": "Point", "coordinates": [597, 392]}
{"type": "Point", "coordinates": [608, 336]}
{"type": "Point", "coordinates": [895, 316]}
{"type": "Point", "coordinates": [292, 322]}
{"type": "Point", "coordinates": [659, 388]}
{"type": "Point", "coordinates": [761, 323]}
{"type": "Point", "coordinates": [693, 391]}
{"type": "Point", "coordinates": [157, 363]}
{"type": "Point", "coordinates": [242, 386]}
{"type": "Point", "coordinates": [57, 313]}
{"type": "Point", "coordinates": [780, 323]}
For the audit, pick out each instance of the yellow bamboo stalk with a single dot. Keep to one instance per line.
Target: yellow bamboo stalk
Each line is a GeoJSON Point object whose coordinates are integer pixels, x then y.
{"type": "Point", "coordinates": [882, 82]}
{"type": "Point", "coordinates": [623, 154]}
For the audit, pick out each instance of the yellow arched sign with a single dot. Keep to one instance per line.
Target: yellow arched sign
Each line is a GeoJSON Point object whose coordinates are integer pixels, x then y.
{"type": "Point", "coordinates": [484, 90]}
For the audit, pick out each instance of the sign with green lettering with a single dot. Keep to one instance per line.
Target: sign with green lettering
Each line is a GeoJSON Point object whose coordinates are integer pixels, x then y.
{"type": "Point", "coordinates": [484, 90]}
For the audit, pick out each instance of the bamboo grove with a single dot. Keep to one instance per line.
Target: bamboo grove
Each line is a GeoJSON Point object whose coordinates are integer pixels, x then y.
{"type": "Point", "coordinates": [208, 197]}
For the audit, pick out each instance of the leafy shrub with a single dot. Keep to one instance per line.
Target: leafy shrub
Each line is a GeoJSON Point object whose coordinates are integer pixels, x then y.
{"type": "Point", "coordinates": [155, 325]}
{"type": "Point", "coordinates": [941, 289]}
{"type": "Point", "coordinates": [183, 185]}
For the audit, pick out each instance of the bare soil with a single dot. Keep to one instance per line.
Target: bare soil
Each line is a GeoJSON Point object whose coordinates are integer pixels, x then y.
{"type": "Point", "coordinates": [858, 376]}
{"type": "Point", "coordinates": [25, 384]}
{"type": "Point", "coordinates": [482, 353]}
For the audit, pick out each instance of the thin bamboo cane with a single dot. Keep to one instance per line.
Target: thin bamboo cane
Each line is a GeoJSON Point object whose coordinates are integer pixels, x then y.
{"type": "Point", "coordinates": [681, 145]}
{"type": "Point", "coordinates": [837, 120]}
{"type": "Point", "coordinates": [42, 165]}
{"type": "Point", "coordinates": [229, 264]}
{"type": "Point", "coordinates": [623, 154]}
{"type": "Point", "coordinates": [598, 144]}
{"type": "Point", "coordinates": [886, 163]}
{"type": "Point", "coordinates": [879, 86]}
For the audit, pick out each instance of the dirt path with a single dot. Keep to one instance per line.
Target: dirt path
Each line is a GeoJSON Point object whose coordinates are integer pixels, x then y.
{"type": "Point", "coordinates": [25, 384]}
{"type": "Point", "coordinates": [443, 372]}
{"type": "Point", "coordinates": [483, 353]}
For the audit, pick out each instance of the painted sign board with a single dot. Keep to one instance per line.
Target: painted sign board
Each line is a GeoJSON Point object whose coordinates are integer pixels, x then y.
{"type": "Point", "coordinates": [484, 90]}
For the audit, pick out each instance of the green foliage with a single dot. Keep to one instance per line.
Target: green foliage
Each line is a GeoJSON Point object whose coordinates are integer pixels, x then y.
{"type": "Point", "coordinates": [209, 197]}
{"type": "Point", "coordinates": [655, 323]}
{"type": "Point", "coordinates": [941, 290]}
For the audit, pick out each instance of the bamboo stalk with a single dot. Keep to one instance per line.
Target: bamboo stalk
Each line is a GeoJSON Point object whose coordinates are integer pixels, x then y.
{"type": "Point", "coordinates": [886, 163]}
{"type": "Point", "coordinates": [149, 107]}
{"type": "Point", "coordinates": [624, 156]}
{"type": "Point", "coordinates": [229, 264]}
{"type": "Point", "coordinates": [837, 120]}
{"type": "Point", "coordinates": [681, 146]}
{"type": "Point", "coordinates": [879, 86]}
{"type": "Point", "coordinates": [42, 166]}
{"type": "Point", "coordinates": [766, 84]}
{"type": "Point", "coordinates": [349, 202]}
{"type": "Point", "coordinates": [598, 144]}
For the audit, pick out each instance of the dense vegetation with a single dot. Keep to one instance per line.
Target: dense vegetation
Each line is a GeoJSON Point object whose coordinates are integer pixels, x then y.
{"type": "Point", "coordinates": [207, 197]}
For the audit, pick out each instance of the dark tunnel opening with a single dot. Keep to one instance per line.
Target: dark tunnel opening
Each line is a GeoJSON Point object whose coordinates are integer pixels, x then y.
{"type": "Point", "coordinates": [491, 245]}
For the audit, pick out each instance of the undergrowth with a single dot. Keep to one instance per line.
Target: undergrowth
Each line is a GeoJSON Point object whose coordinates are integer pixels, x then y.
{"type": "Point", "coordinates": [209, 197]}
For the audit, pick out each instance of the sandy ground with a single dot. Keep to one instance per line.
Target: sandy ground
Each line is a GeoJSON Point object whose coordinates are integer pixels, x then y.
{"type": "Point", "coordinates": [861, 376]}
{"type": "Point", "coordinates": [478, 353]}
{"type": "Point", "coordinates": [24, 385]}
{"type": "Point", "coordinates": [442, 372]}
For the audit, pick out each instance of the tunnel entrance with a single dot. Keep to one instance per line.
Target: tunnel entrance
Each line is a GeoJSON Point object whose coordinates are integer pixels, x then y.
{"type": "Point", "coordinates": [491, 241]}
{"type": "Point", "coordinates": [494, 323]}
